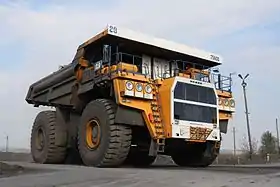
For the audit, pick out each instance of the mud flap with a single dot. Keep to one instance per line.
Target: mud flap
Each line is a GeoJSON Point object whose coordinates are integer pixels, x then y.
{"type": "Point", "coordinates": [61, 139]}
{"type": "Point", "coordinates": [153, 148]}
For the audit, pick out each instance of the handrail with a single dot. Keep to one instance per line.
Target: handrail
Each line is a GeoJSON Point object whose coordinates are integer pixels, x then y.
{"type": "Point", "coordinates": [223, 83]}
{"type": "Point", "coordinates": [178, 66]}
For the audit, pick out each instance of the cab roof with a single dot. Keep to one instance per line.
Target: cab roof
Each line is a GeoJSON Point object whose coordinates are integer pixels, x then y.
{"type": "Point", "coordinates": [153, 46]}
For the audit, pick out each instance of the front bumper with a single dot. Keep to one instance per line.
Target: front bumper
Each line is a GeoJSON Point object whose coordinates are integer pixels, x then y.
{"type": "Point", "coordinates": [196, 132]}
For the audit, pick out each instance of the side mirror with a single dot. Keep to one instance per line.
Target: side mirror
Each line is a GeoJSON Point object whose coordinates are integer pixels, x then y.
{"type": "Point", "coordinates": [215, 70]}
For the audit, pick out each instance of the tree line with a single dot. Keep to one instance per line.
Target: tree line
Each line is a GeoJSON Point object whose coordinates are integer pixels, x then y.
{"type": "Point", "coordinates": [268, 145]}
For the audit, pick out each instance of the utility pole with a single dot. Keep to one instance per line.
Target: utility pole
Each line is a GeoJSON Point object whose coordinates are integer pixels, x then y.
{"type": "Point", "coordinates": [244, 84]}
{"type": "Point", "coordinates": [277, 133]}
{"type": "Point", "coordinates": [234, 143]}
{"type": "Point", "coordinates": [7, 143]}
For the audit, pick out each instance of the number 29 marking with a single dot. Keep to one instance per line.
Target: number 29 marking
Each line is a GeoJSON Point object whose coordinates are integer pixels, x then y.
{"type": "Point", "coordinates": [113, 29]}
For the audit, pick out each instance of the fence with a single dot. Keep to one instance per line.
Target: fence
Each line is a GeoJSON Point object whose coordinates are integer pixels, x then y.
{"type": "Point", "coordinates": [244, 159]}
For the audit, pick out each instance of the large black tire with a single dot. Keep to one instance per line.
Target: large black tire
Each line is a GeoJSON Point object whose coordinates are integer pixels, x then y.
{"type": "Point", "coordinates": [47, 139]}
{"type": "Point", "coordinates": [114, 141]}
{"type": "Point", "coordinates": [198, 156]}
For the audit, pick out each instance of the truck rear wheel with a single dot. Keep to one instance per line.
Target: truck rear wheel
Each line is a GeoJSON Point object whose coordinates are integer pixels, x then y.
{"type": "Point", "coordinates": [101, 142]}
{"type": "Point", "coordinates": [201, 155]}
{"type": "Point", "coordinates": [46, 146]}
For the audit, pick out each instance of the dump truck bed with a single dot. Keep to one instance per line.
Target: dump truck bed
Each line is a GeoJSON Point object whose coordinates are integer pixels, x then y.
{"type": "Point", "coordinates": [56, 88]}
{"type": "Point", "coordinates": [53, 89]}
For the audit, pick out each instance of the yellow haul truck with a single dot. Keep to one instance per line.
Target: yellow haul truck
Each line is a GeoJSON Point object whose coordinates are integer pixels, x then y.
{"type": "Point", "coordinates": [127, 97]}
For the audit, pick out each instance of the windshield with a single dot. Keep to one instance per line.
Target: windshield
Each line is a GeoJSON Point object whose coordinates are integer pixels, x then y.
{"type": "Point", "coordinates": [195, 93]}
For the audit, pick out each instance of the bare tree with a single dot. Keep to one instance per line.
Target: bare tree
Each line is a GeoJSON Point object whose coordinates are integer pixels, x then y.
{"type": "Point", "coordinates": [245, 145]}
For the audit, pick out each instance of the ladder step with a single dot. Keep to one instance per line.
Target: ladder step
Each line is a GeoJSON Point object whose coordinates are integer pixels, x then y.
{"type": "Point", "coordinates": [160, 149]}
{"type": "Point", "coordinates": [156, 113]}
{"type": "Point", "coordinates": [161, 144]}
{"type": "Point", "coordinates": [160, 135]}
{"type": "Point", "coordinates": [159, 129]}
{"type": "Point", "coordinates": [161, 141]}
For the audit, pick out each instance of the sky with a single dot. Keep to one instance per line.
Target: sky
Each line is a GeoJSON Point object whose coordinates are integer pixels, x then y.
{"type": "Point", "coordinates": [38, 36]}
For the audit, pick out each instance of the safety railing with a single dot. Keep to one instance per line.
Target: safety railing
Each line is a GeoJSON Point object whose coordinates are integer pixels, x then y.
{"type": "Point", "coordinates": [222, 82]}
{"type": "Point", "coordinates": [115, 58]}
{"type": "Point", "coordinates": [128, 58]}
{"type": "Point", "coordinates": [163, 72]}
{"type": "Point", "coordinates": [183, 65]}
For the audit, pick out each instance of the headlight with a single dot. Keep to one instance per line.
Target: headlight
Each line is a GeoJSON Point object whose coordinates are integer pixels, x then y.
{"type": "Point", "coordinates": [226, 102]}
{"type": "Point", "coordinates": [232, 103]}
{"type": "Point", "coordinates": [148, 89]}
{"type": "Point", "coordinates": [139, 87]}
{"type": "Point", "coordinates": [129, 85]}
{"type": "Point", "coordinates": [220, 101]}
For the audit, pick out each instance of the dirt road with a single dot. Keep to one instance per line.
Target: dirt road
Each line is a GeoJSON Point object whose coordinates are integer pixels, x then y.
{"type": "Point", "coordinates": [80, 176]}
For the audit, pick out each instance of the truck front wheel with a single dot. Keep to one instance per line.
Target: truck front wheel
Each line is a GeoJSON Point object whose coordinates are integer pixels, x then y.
{"type": "Point", "coordinates": [101, 142]}
{"type": "Point", "coordinates": [200, 155]}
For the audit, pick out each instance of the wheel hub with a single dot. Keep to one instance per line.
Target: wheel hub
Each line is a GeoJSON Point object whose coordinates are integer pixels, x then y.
{"type": "Point", "coordinates": [40, 141]}
{"type": "Point", "coordinates": [92, 134]}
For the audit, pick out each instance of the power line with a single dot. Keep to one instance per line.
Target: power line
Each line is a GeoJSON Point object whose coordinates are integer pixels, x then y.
{"type": "Point", "coordinates": [234, 141]}
{"type": "Point", "coordinates": [7, 143]}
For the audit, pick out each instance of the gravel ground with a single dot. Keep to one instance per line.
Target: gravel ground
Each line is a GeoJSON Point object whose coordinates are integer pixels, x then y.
{"type": "Point", "coordinates": [7, 170]}
{"type": "Point", "coordinates": [80, 176]}
{"type": "Point", "coordinates": [163, 173]}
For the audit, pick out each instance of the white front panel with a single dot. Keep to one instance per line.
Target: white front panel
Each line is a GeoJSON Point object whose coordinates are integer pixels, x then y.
{"type": "Point", "coordinates": [161, 68]}
{"type": "Point", "coordinates": [181, 131]}
{"type": "Point", "coordinates": [214, 135]}
{"type": "Point", "coordinates": [146, 65]}
{"type": "Point", "coordinates": [181, 128]}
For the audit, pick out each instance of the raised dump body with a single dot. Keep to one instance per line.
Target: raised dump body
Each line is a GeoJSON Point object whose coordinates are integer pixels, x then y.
{"type": "Point", "coordinates": [54, 89]}
{"type": "Point", "coordinates": [161, 97]}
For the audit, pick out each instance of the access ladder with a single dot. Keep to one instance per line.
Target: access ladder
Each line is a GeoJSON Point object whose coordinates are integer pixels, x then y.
{"type": "Point", "coordinates": [157, 118]}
